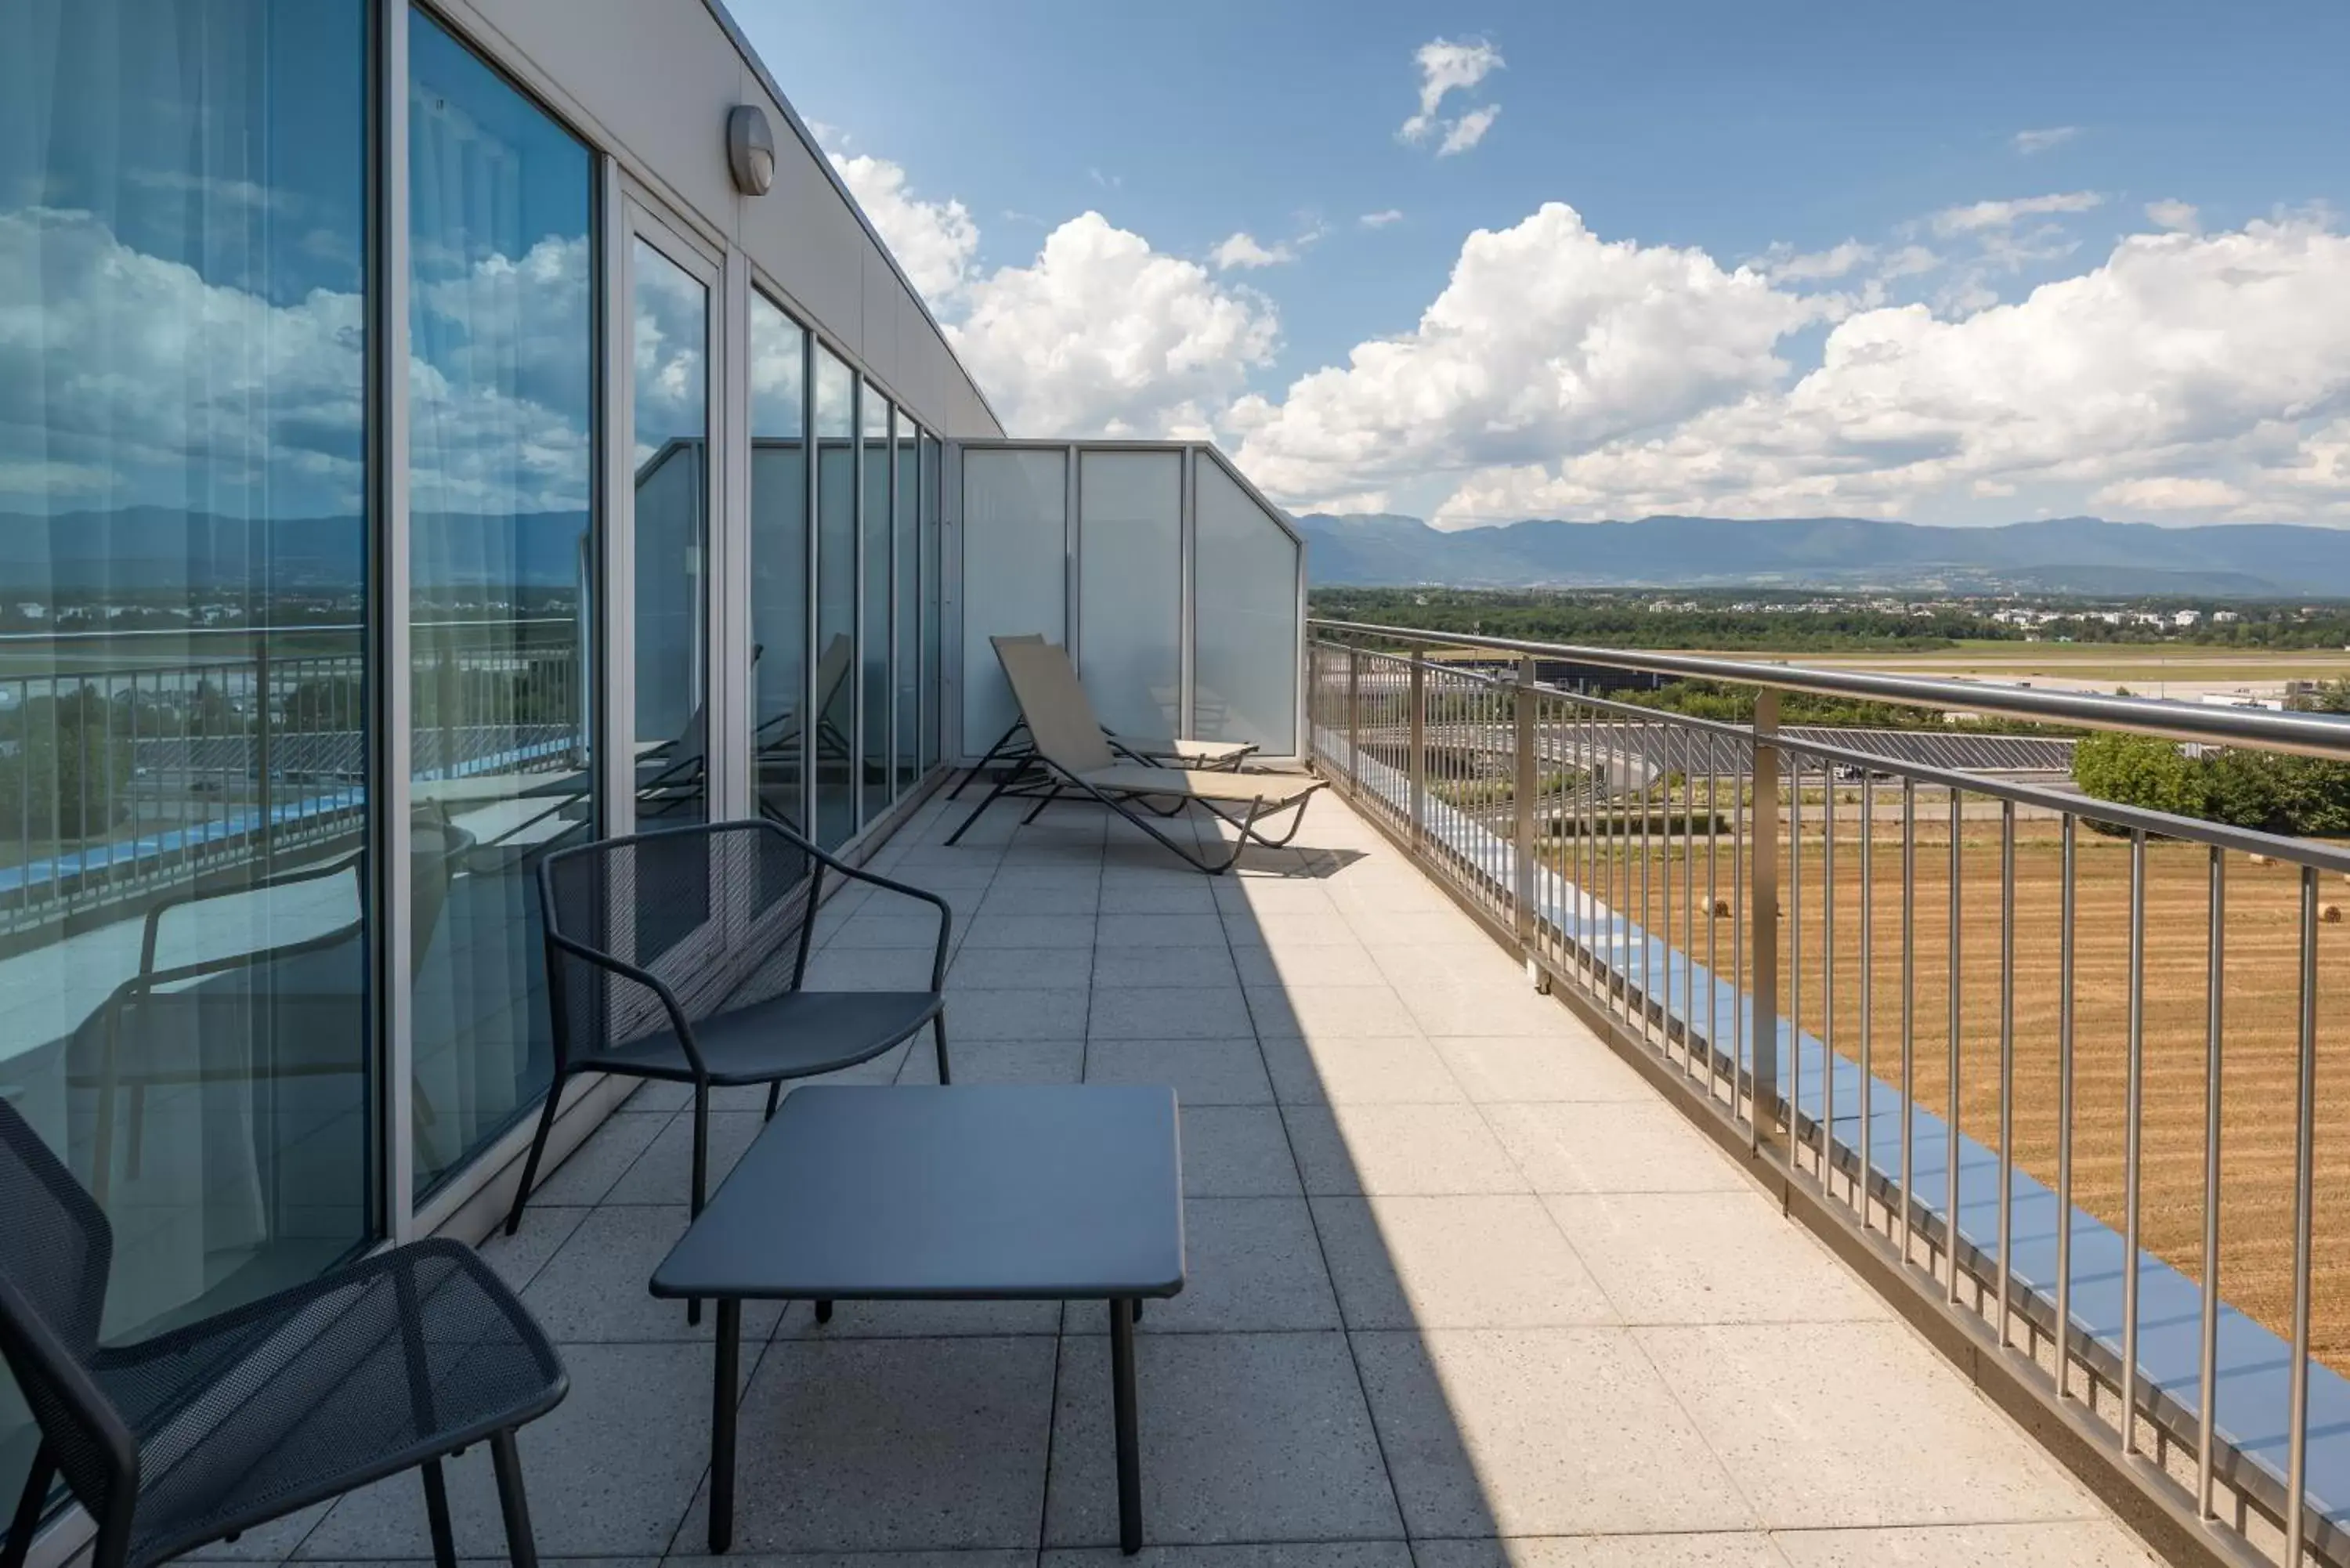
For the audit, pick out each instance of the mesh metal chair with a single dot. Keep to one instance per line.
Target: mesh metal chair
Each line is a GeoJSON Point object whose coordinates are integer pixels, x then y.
{"type": "Point", "coordinates": [201, 1433]}
{"type": "Point", "coordinates": [679, 955]}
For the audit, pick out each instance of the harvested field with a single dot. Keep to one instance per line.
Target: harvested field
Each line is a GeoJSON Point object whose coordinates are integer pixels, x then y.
{"type": "Point", "coordinates": [2262, 959]}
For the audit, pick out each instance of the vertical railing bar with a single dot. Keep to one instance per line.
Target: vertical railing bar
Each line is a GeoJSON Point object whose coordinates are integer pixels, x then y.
{"type": "Point", "coordinates": [1648, 913]}
{"type": "Point", "coordinates": [1957, 1035]}
{"type": "Point", "coordinates": [2305, 1196]}
{"type": "Point", "coordinates": [1909, 1012]}
{"type": "Point", "coordinates": [1740, 1028]}
{"type": "Point", "coordinates": [1764, 1067]}
{"type": "Point", "coordinates": [2132, 1133]}
{"type": "Point", "coordinates": [1524, 785]}
{"type": "Point", "coordinates": [2068, 895]}
{"type": "Point", "coordinates": [1354, 720]}
{"type": "Point", "coordinates": [1712, 916]}
{"type": "Point", "coordinates": [1793, 967]}
{"type": "Point", "coordinates": [1828, 987]}
{"type": "Point", "coordinates": [1867, 985]}
{"type": "Point", "coordinates": [1418, 741]}
{"type": "Point", "coordinates": [2216, 914]}
{"type": "Point", "coordinates": [2006, 1060]}
{"type": "Point", "coordinates": [1689, 906]}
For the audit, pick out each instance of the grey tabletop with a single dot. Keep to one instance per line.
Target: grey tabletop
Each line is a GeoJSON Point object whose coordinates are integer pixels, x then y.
{"type": "Point", "coordinates": [979, 1191]}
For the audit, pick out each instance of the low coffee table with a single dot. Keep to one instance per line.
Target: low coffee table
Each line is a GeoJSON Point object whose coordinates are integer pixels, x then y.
{"type": "Point", "coordinates": [967, 1193]}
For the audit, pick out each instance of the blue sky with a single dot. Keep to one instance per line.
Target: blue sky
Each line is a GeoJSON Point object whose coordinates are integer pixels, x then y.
{"type": "Point", "coordinates": [1960, 157]}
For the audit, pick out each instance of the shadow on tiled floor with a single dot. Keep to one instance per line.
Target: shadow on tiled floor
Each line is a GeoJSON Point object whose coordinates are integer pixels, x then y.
{"type": "Point", "coordinates": [1464, 1292]}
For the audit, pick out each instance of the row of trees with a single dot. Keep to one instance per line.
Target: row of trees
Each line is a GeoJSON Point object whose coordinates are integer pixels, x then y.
{"type": "Point", "coordinates": [2303, 797]}
{"type": "Point", "coordinates": [1628, 622]}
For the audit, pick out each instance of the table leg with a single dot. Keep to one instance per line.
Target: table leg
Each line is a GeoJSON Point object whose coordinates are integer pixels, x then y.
{"type": "Point", "coordinates": [1130, 1457]}
{"type": "Point", "coordinates": [722, 1424]}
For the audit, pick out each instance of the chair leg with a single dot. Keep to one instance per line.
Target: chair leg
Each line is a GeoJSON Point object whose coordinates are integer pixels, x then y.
{"type": "Point", "coordinates": [30, 1504]}
{"type": "Point", "coordinates": [522, 1548]}
{"type": "Point", "coordinates": [824, 1312]}
{"type": "Point", "coordinates": [538, 1147]}
{"type": "Point", "coordinates": [436, 1515]}
{"type": "Point", "coordinates": [775, 1098]}
{"type": "Point", "coordinates": [938, 1033]}
{"type": "Point", "coordinates": [701, 1173]}
{"type": "Point", "coordinates": [981, 809]}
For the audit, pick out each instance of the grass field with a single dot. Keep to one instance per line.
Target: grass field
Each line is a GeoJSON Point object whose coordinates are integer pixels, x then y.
{"type": "Point", "coordinates": [2260, 994]}
{"type": "Point", "coordinates": [2178, 669]}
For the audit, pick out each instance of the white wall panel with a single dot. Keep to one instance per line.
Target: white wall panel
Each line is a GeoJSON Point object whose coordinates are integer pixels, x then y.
{"type": "Point", "coordinates": [1015, 556]}
{"type": "Point", "coordinates": [1131, 588]}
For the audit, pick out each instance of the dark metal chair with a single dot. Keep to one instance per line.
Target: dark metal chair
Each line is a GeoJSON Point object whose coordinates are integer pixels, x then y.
{"type": "Point", "coordinates": [201, 1433]}
{"type": "Point", "coordinates": [679, 955]}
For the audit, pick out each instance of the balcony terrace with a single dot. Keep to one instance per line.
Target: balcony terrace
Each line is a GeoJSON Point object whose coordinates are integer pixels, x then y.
{"type": "Point", "coordinates": [1463, 1288]}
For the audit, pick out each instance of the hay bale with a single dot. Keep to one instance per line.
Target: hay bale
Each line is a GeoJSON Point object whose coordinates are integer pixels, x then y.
{"type": "Point", "coordinates": [2262, 859]}
{"type": "Point", "coordinates": [2331, 914]}
{"type": "Point", "coordinates": [1722, 911]}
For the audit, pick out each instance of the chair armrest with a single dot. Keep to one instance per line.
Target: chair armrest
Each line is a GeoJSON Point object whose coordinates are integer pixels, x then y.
{"type": "Point", "coordinates": [598, 959]}
{"type": "Point", "coordinates": [857, 874]}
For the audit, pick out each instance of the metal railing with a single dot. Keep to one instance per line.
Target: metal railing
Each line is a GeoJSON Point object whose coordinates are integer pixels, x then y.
{"type": "Point", "coordinates": [135, 760]}
{"type": "Point", "coordinates": [1768, 923]}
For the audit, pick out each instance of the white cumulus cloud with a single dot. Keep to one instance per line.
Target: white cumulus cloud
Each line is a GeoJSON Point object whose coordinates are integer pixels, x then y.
{"type": "Point", "coordinates": [1101, 334]}
{"type": "Point", "coordinates": [2032, 143]}
{"type": "Point", "coordinates": [2167, 494]}
{"type": "Point", "coordinates": [1981, 216]}
{"type": "Point", "coordinates": [1448, 66]}
{"type": "Point", "coordinates": [1546, 338]}
{"type": "Point", "coordinates": [2180, 217]}
{"type": "Point", "coordinates": [934, 242]}
{"type": "Point", "coordinates": [2182, 373]}
{"type": "Point", "coordinates": [1243, 250]}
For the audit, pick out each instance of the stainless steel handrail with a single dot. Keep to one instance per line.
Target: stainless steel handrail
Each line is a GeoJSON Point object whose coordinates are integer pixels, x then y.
{"type": "Point", "coordinates": [1538, 808]}
{"type": "Point", "coordinates": [2308, 734]}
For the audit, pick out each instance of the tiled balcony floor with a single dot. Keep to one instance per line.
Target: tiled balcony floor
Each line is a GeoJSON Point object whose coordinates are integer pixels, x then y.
{"type": "Point", "coordinates": [1462, 1289]}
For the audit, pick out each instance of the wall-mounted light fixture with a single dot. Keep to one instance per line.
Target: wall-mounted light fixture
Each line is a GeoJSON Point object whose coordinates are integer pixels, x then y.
{"type": "Point", "coordinates": [750, 149]}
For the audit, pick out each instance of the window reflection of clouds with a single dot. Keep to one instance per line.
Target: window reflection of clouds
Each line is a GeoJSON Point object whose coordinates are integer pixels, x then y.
{"type": "Point", "coordinates": [836, 396]}
{"type": "Point", "coordinates": [500, 303]}
{"type": "Point", "coordinates": [671, 322]}
{"type": "Point", "coordinates": [181, 215]}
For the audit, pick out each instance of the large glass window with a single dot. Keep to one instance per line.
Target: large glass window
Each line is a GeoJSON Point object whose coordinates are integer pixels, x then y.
{"type": "Point", "coordinates": [501, 465]}
{"type": "Point", "coordinates": [907, 603]}
{"type": "Point", "coordinates": [875, 679]}
{"type": "Point", "coordinates": [779, 550]}
{"type": "Point", "coordinates": [933, 608]}
{"type": "Point", "coordinates": [184, 503]}
{"type": "Point", "coordinates": [669, 316]}
{"type": "Point", "coordinates": [836, 605]}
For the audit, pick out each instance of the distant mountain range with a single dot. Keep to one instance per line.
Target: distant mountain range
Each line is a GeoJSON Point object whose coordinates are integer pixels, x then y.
{"type": "Point", "coordinates": [2057, 555]}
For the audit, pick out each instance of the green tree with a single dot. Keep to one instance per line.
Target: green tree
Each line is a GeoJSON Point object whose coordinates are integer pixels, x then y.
{"type": "Point", "coordinates": [2140, 771]}
{"type": "Point", "coordinates": [63, 777]}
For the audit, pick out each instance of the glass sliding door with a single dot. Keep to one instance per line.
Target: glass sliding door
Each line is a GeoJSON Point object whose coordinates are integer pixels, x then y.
{"type": "Point", "coordinates": [834, 685]}
{"type": "Point", "coordinates": [779, 562]}
{"type": "Point", "coordinates": [669, 403]}
{"type": "Point", "coordinates": [906, 603]}
{"type": "Point", "coordinates": [874, 626]}
{"type": "Point", "coordinates": [501, 456]}
{"type": "Point", "coordinates": [186, 886]}
{"type": "Point", "coordinates": [933, 576]}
